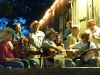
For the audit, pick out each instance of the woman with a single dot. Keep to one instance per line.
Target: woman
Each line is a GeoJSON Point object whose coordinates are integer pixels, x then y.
{"type": "Point", "coordinates": [58, 41]}
{"type": "Point", "coordinates": [17, 35]}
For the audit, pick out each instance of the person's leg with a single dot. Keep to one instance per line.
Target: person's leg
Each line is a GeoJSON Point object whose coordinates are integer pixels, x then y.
{"type": "Point", "coordinates": [69, 62]}
{"type": "Point", "coordinates": [14, 64]}
{"type": "Point", "coordinates": [26, 63]}
{"type": "Point", "coordinates": [92, 62]}
{"type": "Point", "coordinates": [34, 63]}
{"type": "Point", "coordinates": [78, 63]}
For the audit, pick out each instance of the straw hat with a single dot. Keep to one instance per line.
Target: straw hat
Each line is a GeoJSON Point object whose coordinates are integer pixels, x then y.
{"type": "Point", "coordinates": [84, 33]}
{"type": "Point", "coordinates": [33, 23]}
{"type": "Point", "coordinates": [50, 30]}
{"type": "Point", "coordinates": [5, 33]}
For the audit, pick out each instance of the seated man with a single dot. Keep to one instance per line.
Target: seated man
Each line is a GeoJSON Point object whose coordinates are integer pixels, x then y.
{"type": "Point", "coordinates": [50, 49]}
{"type": "Point", "coordinates": [87, 57]}
{"type": "Point", "coordinates": [6, 51]}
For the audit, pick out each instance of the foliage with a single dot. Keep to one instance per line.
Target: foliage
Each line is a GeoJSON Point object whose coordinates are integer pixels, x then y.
{"type": "Point", "coordinates": [28, 10]}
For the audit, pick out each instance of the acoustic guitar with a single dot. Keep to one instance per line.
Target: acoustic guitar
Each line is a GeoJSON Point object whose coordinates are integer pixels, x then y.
{"type": "Point", "coordinates": [83, 52]}
{"type": "Point", "coordinates": [52, 52]}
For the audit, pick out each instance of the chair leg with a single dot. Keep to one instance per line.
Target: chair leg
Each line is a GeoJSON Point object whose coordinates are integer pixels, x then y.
{"type": "Point", "coordinates": [41, 62]}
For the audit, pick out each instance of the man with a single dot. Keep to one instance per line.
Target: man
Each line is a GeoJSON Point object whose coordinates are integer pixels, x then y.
{"type": "Point", "coordinates": [51, 49]}
{"type": "Point", "coordinates": [35, 41]}
{"type": "Point", "coordinates": [6, 53]}
{"type": "Point", "coordinates": [94, 32]}
{"type": "Point", "coordinates": [72, 39]}
{"type": "Point", "coordinates": [88, 56]}
{"type": "Point", "coordinates": [74, 36]}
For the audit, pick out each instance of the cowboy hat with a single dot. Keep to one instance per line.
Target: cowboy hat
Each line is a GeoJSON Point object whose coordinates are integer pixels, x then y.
{"type": "Point", "coordinates": [82, 34]}
{"type": "Point", "coordinates": [33, 23]}
{"type": "Point", "coordinates": [50, 30]}
{"type": "Point", "coordinates": [5, 33]}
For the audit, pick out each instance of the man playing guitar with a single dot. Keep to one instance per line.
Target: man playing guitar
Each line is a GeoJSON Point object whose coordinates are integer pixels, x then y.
{"type": "Point", "coordinates": [50, 48]}
{"type": "Point", "coordinates": [87, 57]}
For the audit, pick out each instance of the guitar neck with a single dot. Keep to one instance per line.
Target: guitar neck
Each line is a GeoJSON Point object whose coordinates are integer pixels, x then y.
{"type": "Point", "coordinates": [85, 50]}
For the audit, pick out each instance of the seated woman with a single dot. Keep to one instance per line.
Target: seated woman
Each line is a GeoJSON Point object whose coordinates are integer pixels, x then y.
{"type": "Point", "coordinates": [58, 41]}
{"type": "Point", "coordinates": [17, 36]}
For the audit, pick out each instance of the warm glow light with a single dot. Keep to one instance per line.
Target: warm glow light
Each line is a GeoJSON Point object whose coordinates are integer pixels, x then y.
{"type": "Point", "coordinates": [55, 3]}
{"type": "Point", "coordinates": [46, 15]}
{"type": "Point", "coordinates": [41, 21]}
{"type": "Point", "coordinates": [53, 12]}
{"type": "Point", "coordinates": [48, 11]}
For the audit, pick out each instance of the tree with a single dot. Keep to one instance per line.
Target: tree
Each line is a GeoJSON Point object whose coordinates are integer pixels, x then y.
{"type": "Point", "coordinates": [29, 10]}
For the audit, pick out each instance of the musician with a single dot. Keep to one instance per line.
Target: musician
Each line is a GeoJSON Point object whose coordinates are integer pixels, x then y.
{"type": "Point", "coordinates": [35, 41]}
{"type": "Point", "coordinates": [20, 48]}
{"type": "Point", "coordinates": [6, 52]}
{"type": "Point", "coordinates": [50, 47]}
{"type": "Point", "coordinates": [58, 41]}
{"type": "Point", "coordinates": [17, 35]}
{"type": "Point", "coordinates": [88, 57]}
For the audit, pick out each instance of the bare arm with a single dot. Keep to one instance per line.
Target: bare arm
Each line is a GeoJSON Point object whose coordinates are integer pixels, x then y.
{"type": "Point", "coordinates": [12, 59]}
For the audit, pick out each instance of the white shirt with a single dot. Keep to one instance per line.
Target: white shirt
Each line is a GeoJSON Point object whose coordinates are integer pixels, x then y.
{"type": "Point", "coordinates": [80, 45]}
{"type": "Point", "coordinates": [36, 39]}
{"type": "Point", "coordinates": [96, 32]}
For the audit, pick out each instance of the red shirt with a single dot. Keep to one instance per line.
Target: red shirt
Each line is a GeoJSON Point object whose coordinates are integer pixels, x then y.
{"type": "Point", "coordinates": [5, 52]}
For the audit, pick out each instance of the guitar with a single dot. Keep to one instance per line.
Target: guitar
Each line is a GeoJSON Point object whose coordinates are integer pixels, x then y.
{"type": "Point", "coordinates": [52, 52]}
{"type": "Point", "coordinates": [82, 52]}
{"type": "Point", "coordinates": [20, 47]}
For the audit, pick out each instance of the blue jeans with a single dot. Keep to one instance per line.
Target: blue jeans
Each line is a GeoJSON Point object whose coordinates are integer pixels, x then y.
{"type": "Point", "coordinates": [17, 64]}
{"type": "Point", "coordinates": [69, 62]}
{"type": "Point", "coordinates": [91, 62]}
{"type": "Point", "coordinates": [34, 63]}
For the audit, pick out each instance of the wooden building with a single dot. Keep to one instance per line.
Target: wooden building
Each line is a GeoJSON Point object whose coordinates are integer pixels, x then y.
{"type": "Point", "coordinates": [56, 16]}
{"type": "Point", "coordinates": [76, 11]}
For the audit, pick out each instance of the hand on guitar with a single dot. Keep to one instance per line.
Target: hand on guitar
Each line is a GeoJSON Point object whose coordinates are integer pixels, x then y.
{"type": "Point", "coordinates": [96, 53]}
{"type": "Point", "coordinates": [53, 51]}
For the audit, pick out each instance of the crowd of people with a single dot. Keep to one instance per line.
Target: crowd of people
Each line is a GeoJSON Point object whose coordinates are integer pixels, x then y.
{"type": "Point", "coordinates": [76, 50]}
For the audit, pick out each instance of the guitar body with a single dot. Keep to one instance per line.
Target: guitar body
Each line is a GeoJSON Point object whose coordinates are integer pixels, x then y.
{"type": "Point", "coordinates": [19, 49]}
{"type": "Point", "coordinates": [51, 52]}
{"type": "Point", "coordinates": [86, 54]}
{"type": "Point", "coordinates": [18, 52]}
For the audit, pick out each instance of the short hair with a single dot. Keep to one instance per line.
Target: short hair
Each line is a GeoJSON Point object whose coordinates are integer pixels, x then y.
{"type": "Point", "coordinates": [16, 25]}
{"type": "Point", "coordinates": [84, 34]}
{"type": "Point", "coordinates": [91, 20]}
{"type": "Point", "coordinates": [75, 27]}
